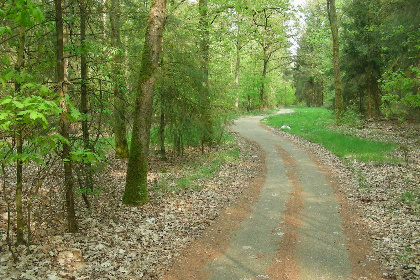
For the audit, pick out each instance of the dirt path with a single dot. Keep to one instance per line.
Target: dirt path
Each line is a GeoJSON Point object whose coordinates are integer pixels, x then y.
{"type": "Point", "coordinates": [294, 229]}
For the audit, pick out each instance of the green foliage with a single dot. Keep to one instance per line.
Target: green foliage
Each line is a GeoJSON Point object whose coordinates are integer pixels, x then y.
{"type": "Point", "coordinates": [23, 12]}
{"type": "Point", "coordinates": [315, 124]}
{"type": "Point", "coordinates": [313, 72]}
{"type": "Point", "coordinates": [401, 96]}
{"type": "Point", "coordinates": [195, 173]}
{"type": "Point", "coordinates": [30, 114]}
{"type": "Point", "coordinates": [412, 199]}
{"type": "Point", "coordinates": [351, 117]}
{"type": "Point", "coordinates": [380, 57]}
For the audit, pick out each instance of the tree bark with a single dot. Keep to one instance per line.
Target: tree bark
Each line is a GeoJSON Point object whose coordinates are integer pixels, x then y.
{"type": "Point", "coordinates": [262, 88]}
{"type": "Point", "coordinates": [19, 144]}
{"type": "Point", "coordinates": [88, 180]}
{"type": "Point", "coordinates": [237, 67]}
{"type": "Point", "coordinates": [64, 121]}
{"type": "Point", "coordinates": [332, 15]}
{"type": "Point", "coordinates": [238, 63]}
{"type": "Point", "coordinates": [162, 108]}
{"type": "Point", "coordinates": [135, 192]}
{"type": "Point", "coordinates": [120, 126]}
{"type": "Point", "coordinates": [204, 68]}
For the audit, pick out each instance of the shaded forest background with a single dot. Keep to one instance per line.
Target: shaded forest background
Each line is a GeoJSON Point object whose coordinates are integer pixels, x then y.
{"type": "Point", "coordinates": [71, 73]}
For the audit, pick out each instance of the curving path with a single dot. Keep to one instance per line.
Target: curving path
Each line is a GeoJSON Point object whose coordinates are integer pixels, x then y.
{"type": "Point", "coordinates": [294, 229]}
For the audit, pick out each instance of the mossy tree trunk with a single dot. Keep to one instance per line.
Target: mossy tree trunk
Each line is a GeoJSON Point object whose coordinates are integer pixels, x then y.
{"type": "Point", "coordinates": [332, 16]}
{"type": "Point", "coordinates": [135, 192]}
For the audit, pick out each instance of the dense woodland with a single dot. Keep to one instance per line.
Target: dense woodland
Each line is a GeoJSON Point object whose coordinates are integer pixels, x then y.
{"type": "Point", "coordinates": [83, 80]}
{"type": "Point", "coordinates": [379, 58]}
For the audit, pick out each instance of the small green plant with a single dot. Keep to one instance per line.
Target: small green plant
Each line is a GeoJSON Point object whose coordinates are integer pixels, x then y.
{"type": "Point", "coordinates": [363, 183]}
{"type": "Point", "coordinates": [406, 256]}
{"type": "Point", "coordinates": [351, 118]}
{"type": "Point", "coordinates": [412, 199]}
{"type": "Point", "coordinates": [183, 183]}
{"type": "Point", "coordinates": [408, 197]}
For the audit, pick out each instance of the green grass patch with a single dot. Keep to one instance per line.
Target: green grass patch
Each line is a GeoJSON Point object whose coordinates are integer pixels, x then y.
{"type": "Point", "coordinates": [315, 124]}
{"type": "Point", "coordinates": [197, 172]}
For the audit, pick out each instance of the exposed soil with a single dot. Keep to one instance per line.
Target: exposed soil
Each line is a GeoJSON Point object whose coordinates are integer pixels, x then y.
{"type": "Point", "coordinates": [359, 244]}
{"type": "Point", "coordinates": [286, 263]}
{"type": "Point", "coordinates": [215, 239]}
{"type": "Point", "coordinates": [364, 265]}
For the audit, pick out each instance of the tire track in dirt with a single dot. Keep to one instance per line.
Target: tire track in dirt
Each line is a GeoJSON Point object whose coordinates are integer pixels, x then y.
{"type": "Point", "coordinates": [286, 263]}
{"type": "Point", "coordinates": [292, 228]}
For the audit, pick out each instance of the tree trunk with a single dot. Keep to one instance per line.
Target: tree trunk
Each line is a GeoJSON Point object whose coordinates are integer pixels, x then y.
{"type": "Point", "coordinates": [135, 192]}
{"type": "Point", "coordinates": [332, 15]}
{"type": "Point", "coordinates": [162, 133]}
{"type": "Point", "coordinates": [88, 181]}
{"type": "Point", "coordinates": [64, 121]}
{"type": "Point", "coordinates": [19, 145]}
{"type": "Point", "coordinates": [204, 68]}
{"type": "Point", "coordinates": [120, 126]}
{"type": "Point", "coordinates": [369, 81]}
{"type": "Point", "coordinates": [162, 108]}
{"type": "Point", "coordinates": [262, 88]}
{"type": "Point", "coordinates": [238, 64]}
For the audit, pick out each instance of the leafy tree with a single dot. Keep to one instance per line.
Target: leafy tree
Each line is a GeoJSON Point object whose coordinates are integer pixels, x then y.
{"type": "Point", "coordinates": [313, 69]}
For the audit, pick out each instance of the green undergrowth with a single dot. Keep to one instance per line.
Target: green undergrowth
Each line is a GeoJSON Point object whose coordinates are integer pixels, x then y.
{"type": "Point", "coordinates": [316, 125]}
{"type": "Point", "coordinates": [195, 172]}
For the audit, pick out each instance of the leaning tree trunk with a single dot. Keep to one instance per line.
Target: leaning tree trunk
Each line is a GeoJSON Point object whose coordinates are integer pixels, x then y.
{"type": "Point", "coordinates": [19, 145]}
{"type": "Point", "coordinates": [64, 121]}
{"type": "Point", "coordinates": [332, 15]}
{"type": "Point", "coordinates": [135, 192]}
{"type": "Point", "coordinates": [120, 126]}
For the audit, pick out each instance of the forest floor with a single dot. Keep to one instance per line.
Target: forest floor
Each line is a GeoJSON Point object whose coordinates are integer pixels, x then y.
{"type": "Point", "coordinates": [114, 241]}
{"type": "Point", "coordinates": [121, 242]}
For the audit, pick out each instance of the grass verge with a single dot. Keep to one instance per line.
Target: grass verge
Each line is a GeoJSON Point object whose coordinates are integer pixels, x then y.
{"type": "Point", "coordinates": [315, 124]}
{"type": "Point", "coordinates": [194, 173]}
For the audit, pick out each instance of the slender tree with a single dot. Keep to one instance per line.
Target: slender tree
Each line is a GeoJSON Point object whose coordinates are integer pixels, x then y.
{"type": "Point", "coordinates": [332, 15]}
{"type": "Point", "coordinates": [64, 121]}
{"type": "Point", "coordinates": [19, 142]}
{"type": "Point", "coordinates": [135, 192]}
{"type": "Point", "coordinates": [204, 69]}
{"type": "Point", "coordinates": [88, 180]}
{"type": "Point", "coordinates": [118, 80]}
